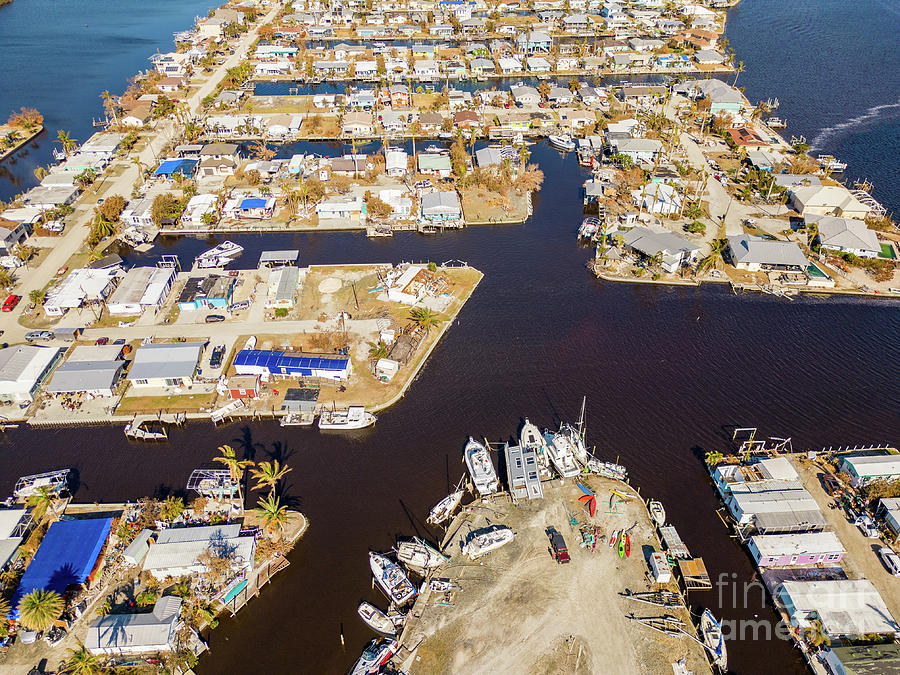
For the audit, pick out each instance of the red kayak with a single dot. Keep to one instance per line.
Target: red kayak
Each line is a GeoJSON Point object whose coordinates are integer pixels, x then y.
{"type": "Point", "coordinates": [627, 546]}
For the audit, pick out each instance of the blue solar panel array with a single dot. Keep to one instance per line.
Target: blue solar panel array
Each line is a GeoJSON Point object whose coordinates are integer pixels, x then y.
{"type": "Point", "coordinates": [279, 363]}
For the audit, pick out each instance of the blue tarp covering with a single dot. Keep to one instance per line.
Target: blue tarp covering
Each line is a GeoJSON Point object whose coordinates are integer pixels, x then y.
{"type": "Point", "coordinates": [278, 363]}
{"type": "Point", "coordinates": [172, 166]}
{"type": "Point", "coordinates": [66, 556]}
{"type": "Point", "coordinates": [253, 203]}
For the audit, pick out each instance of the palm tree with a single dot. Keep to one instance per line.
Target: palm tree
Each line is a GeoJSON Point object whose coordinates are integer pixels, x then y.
{"type": "Point", "coordinates": [40, 173]}
{"type": "Point", "coordinates": [424, 318]}
{"type": "Point", "coordinates": [268, 474]}
{"type": "Point", "coordinates": [235, 466]}
{"type": "Point", "coordinates": [37, 296]}
{"type": "Point", "coordinates": [716, 251]}
{"type": "Point", "coordinates": [4, 609]}
{"type": "Point", "coordinates": [104, 228]}
{"type": "Point", "coordinates": [737, 71]}
{"type": "Point", "coordinates": [6, 278]}
{"type": "Point", "coordinates": [377, 350]}
{"type": "Point", "coordinates": [40, 502]}
{"type": "Point", "coordinates": [273, 514]}
{"type": "Point", "coordinates": [81, 662]}
{"type": "Point", "coordinates": [714, 457]}
{"type": "Point", "coordinates": [67, 142]}
{"type": "Point", "coordinates": [39, 609]}
{"type": "Point", "coordinates": [109, 105]}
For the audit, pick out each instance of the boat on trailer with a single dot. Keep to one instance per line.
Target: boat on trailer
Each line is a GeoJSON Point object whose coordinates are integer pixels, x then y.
{"type": "Point", "coordinates": [481, 468]}
{"type": "Point", "coordinates": [419, 555]}
{"type": "Point", "coordinates": [445, 508]}
{"type": "Point", "coordinates": [220, 256]}
{"type": "Point", "coordinates": [714, 640]}
{"type": "Point", "coordinates": [354, 417]}
{"type": "Point", "coordinates": [376, 619]}
{"type": "Point", "coordinates": [392, 579]}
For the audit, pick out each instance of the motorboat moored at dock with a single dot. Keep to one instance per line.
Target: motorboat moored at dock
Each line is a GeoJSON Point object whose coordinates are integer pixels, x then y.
{"type": "Point", "coordinates": [391, 578]}
{"type": "Point", "coordinates": [564, 142]}
{"type": "Point", "coordinates": [220, 256]}
{"type": "Point", "coordinates": [562, 454]}
{"type": "Point", "coordinates": [376, 654]}
{"type": "Point", "coordinates": [354, 417]}
{"type": "Point", "coordinates": [481, 468]}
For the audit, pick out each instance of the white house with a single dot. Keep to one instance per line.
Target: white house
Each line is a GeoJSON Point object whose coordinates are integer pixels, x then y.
{"type": "Point", "coordinates": [165, 364]}
{"type": "Point", "coordinates": [141, 289]}
{"type": "Point", "coordinates": [846, 236]}
{"type": "Point", "coordinates": [80, 286]}
{"type": "Point", "coordinates": [864, 469]}
{"type": "Point", "coordinates": [844, 607]}
{"type": "Point", "coordinates": [177, 551]}
{"type": "Point", "coordinates": [396, 163]}
{"type": "Point", "coordinates": [23, 368]}
{"type": "Point", "coordinates": [343, 208]}
{"type": "Point", "coordinates": [827, 200]}
{"type": "Point", "coordinates": [657, 198]}
{"type": "Point", "coordinates": [673, 250]}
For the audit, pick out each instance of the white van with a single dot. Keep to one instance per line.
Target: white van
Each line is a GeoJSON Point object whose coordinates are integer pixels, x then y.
{"type": "Point", "coordinates": [890, 559]}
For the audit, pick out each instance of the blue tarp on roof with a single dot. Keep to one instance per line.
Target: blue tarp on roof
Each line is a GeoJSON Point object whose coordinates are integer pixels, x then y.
{"type": "Point", "coordinates": [172, 166]}
{"type": "Point", "coordinates": [66, 556]}
{"type": "Point", "coordinates": [253, 203]}
{"type": "Point", "coordinates": [279, 363]}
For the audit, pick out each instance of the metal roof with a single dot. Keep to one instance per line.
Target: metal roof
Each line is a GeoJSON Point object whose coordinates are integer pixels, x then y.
{"type": "Point", "coordinates": [281, 363]}
{"type": "Point", "coordinates": [165, 360]}
{"type": "Point", "coordinates": [74, 376]}
{"type": "Point", "coordinates": [285, 256]}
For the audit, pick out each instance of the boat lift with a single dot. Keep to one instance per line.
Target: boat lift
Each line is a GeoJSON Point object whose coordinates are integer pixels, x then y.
{"type": "Point", "coordinates": [213, 483]}
{"type": "Point", "coordinates": [55, 482]}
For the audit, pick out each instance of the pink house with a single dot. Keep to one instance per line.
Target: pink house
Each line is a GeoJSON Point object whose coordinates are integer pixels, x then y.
{"type": "Point", "coordinates": [788, 550]}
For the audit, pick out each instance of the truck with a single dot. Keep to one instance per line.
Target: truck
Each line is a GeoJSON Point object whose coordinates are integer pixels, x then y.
{"type": "Point", "coordinates": [558, 546]}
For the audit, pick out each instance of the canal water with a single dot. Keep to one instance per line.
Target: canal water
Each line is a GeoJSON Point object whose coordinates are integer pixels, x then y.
{"type": "Point", "coordinates": [667, 373]}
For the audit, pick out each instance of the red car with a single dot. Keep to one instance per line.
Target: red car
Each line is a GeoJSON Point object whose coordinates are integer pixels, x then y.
{"type": "Point", "coordinates": [102, 341]}
{"type": "Point", "coordinates": [10, 303]}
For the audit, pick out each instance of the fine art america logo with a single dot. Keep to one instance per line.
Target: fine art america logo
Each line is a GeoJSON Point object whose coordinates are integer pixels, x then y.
{"type": "Point", "coordinates": [749, 595]}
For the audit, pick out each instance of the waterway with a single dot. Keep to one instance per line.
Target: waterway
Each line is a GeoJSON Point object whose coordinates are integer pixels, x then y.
{"type": "Point", "coordinates": [666, 372]}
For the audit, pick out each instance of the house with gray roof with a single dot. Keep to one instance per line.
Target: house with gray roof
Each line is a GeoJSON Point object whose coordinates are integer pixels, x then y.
{"type": "Point", "coordinates": [846, 235]}
{"type": "Point", "coordinates": [166, 364]}
{"type": "Point", "coordinates": [751, 253]}
{"type": "Point", "coordinates": [147, 633]}
{"type": "Point", "coordinates": [674, 251]}
{"type": "Point", "coordinates": [177, 551]}
{"type": "Point", "coordinates": [441, 206]}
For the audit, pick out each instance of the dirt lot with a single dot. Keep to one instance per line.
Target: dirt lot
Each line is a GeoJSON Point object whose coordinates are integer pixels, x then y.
{"type": "Point", "coordinates": [481, 207]}
{"type": "Point", "coordinates": [517, 611]}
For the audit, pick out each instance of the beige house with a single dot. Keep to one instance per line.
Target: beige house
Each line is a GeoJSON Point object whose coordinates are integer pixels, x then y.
{"type": "Point", "coordinates": [827, 200]}
{"type": "Point", "coordinates": [357, 123]}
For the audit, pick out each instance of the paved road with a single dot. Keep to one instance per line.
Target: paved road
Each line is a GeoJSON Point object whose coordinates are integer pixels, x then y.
{"type": "Point", "coordinates": [71, 242]}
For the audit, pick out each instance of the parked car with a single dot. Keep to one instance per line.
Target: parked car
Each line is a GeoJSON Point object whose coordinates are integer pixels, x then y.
{"type": "Point", "coordinates": [11, 301]}
{"type": "Point", "coordinates": [867, 526]}
{"type": "Point", "coordinates": [38, 335]}
{"type": "Point", "coordinates": [119, 341]}
{"type": "Point", "coordinates": [102, 341]}
{"type": "Point", "coordinates": [238, 306]}
{"type": "Point", "coordinates": [890, 559]}
{"type": "Point", "coordinates": [558, 546]}
{"type": "Point", "coordinates": [215, 360]}
{"type": "Point", "coordinates": [214, 318]}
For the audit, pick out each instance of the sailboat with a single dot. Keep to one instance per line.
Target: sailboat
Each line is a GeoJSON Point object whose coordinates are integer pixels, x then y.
{"type": "Point", "coordinates": [376, 619]}
{"type": "Point", "coordinates": [486, 540]}
{"type": "Point", "coordinates": [445, 508]}
{"type": "Point", "coordinates": [562, 454]}
{"type": "Point", "coordinates": [419, 555]}
{"type": "Point", "coordinates": [391, 578]}
{"type": "Point", "coordinates": [481, 468]}
{"type": "Point", "coordinates": [714, 640]}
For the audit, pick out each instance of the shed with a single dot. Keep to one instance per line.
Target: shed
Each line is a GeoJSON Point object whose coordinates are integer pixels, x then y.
{"type": "Point", "coordinates": [243, 386]}
{"type": "Point", "coordinates": [385, 369]}
{"type": "Point", "coordinates": [659, 567]}
{"type": "Point", "coordinates": [137, 549]}
{"type": "Point", "coordinates": [300, 399]}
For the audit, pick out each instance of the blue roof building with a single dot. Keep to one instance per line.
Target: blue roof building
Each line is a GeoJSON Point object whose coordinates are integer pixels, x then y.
{"type": "Point", "coordinates": [170, 167]}
{"type": "Point", "coordinates": [282, 364]}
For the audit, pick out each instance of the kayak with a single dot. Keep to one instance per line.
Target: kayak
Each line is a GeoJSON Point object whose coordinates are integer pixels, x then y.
{"type": "Point", "coordinates": [622, 546]}
{"type": "Point", "coordinates": [612, 538]}
{"type": "Point", "coordinates": [627, 546]}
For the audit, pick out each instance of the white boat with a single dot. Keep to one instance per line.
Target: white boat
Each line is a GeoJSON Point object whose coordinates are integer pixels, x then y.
{"type": "Point", "coordinates": [657, 512]}
{"type": "Point", "coordinates": [775, 123]}
{"type": "Point", "coordinates": [54, 482]}
{"type": "Point", "coordinates": [11, 262]}
{"type": "Point", "coordinates": [297, 419]}
{"type": "Point", "coordinates": [250, 343]}
{"type": "Point", "coordinates": [530, 437]}
{"type": "Point", "coordinates": [354, 417]}
{"type": "Point", "coordinates": [481, 542]}
{"type": "Point", "coordinates": [829, 162]}
{"type": "Point", "coordinates": [562, 142]}
{"type": "Point", "coordinates": [392, 579]}
{"type": "Point", "coordinates": [376, 654]}
{"type": "Point", "coordinates": [576, 442]}
{"type": "Point", "coordinates": [420, 555]}
{"type": "Point", "coordinates": [562, 454]}
{"type": "Point", "coordinates": [481, 468]}
{"type": "Point", "coordinates": [220, 256]}
{"type": "Point", "coordinates": [445, 508]}
{"type": "Point", "coordinates": [376, 619]}
{"type": "Point", "coordinates": [590, 226]}
{"type": "Point", "coordinates": [714, 640]}
{"type": "Point", "coordinates": [607, 469]}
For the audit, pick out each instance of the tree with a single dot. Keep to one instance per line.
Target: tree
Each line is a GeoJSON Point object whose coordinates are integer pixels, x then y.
{"type": "Point", "coordinates": [737, 71]}
{"type": "Point", "coordinates": [102, 228]}
{"type": "Point", "coordinates": [81, 662]}
{"type": "Point", "coordinates": [145, 598]}
{"type": "Point", "coordinates": [166, 206]}
{"type": "Point", "coordinates": [24, 253]}
{"type": "Point", "coordinates": [714, 457]}
{"type": "Point", "coordinates": [696, 227]}
{"type": "Point", "coordinates": [274, 515]}
{"type": "Point", "coordinates": [235, 466]}
{"type": "Point", "coordinates": [716, 251]}
{"type": "Point", "coordinates": [27, 119]}
{"type": "Point", "coordinates": [40, 502]}
{"type": "Point", "coordinates": [377, 350]}
{"type": "Point", "coordinates": [424, 318]}
{"type": "Point", "coordinates": [171, 508]}
{"type": "Point", "coordinates": [268, 474]}
{"type": "Point", "coordinates": [112, 208]}
{"type": "Point", "coordinates": [378, 208]}
{"type": "Point", "coordinates": [67, 142]}
{"type": "Point", "coordinates": [39, 609]}
{"type": "Point", "coordinates": [6, 278]}
{"type": "Point", "coordinates": [37, 297]}
{"type": "Point", "coordinates": [109, 105]}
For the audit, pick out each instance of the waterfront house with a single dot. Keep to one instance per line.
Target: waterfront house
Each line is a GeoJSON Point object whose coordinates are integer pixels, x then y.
{"type": "Point", "coordinates": [746, 137]}
{"type": "Point", "coordinates": [843, 608]}
{"type": "Point", "coordinates": [767, 509]}
{"type": "Point", "coordinates": [282, 287]}
{"type": "Point", "coordinates": [366, 69]}
{"type": "Point", "coordinates": [11, 235]}
{"type": "Point", "coordinates": [523, 472]}
{"type": "Point", "coordinates": [591, 96]}
{"type": "Point", "coordinates": [673, 61]}
{"type": "Point", "coordinates": [577, 119]}
{"type": "Point", "coordinates": [268, 363]}
{"type": "Point", "coordinates": [787, 550]}
{"type": "Point", "coordinates": [272, 68]}
{"type": "Point", "coordinates": [136, 114]}
{"type": "Point", "coordinates": [399, 96]}
{"type": "Point", "coordinates": [300, 399]}
{"type": "Point", "coordinates": [566, 63]}
{"type": "Point", "coordinates": [525, 95]}
{"type": "Point", "coordinates": [709, 57]}
{"type": "Point", "coordinates": [351, 209]}
{"type": "Point", "coordinates": [141, 289]}
{"type": "Point", "coordinates": [357, 124]}
{"type": "Point", "coordinates": [534, 41]}
{"type": "Point", "coordinates": [537, 64]}
{"type": "Point", "coordinates": [255, 208]}
{"type": "Point", "coordinates": [430, 121]}
{"type": "Point", "coordinates": [674, 251]}
{"type": "Point", "coordinates": [196, 208]}
{"type": "Point", "coordinates": [393, 122]}
{"type": "Point", "coordinates": [23, 368]}
{"type": "Point", "coordinates": [177, 551]}
{"type": "Point", "coordinates": [136, 633]}
{"type": "Point", "coordinates": [42, 197]}
{"type": "Point", "coordinates": [638, 149]}
{"type": "Point", "coordinates": [845, 235]}
{"type": "Point", "coordinates": [722, 97]}
{"type": "Point", "coordinates": [577, 23]}
{"type": "Point", "coordinates": [396, 162]}
{"type": "Point", "coordinates": [763, 472]}
{"type": "Point", "coordinates": [165, 364]}
{"type": "Point", "coordinates": [509, 65]}
{"type": "Point", "coordinates": [827, 200]}
{"type": "Point", "coordinates": [863, 469]}
{"type": "Point", "coordinates": [434, 164]}
{"type": "Point", "coordinates": [168, 168]}
{"type": "Point", "coordinates": [426, 70]}
{"type": "Point", "coordinates": [401, 205]}
{"type": "Point", "coordinates": [90, 369]}
{"type": "Point", "coordinates": [560, 96]}
{"type": "Point", "coordinates": [657, 198]}
{"type": "Point", "coordinates": [482, 66]}
{"type": "Point", "coordinates": [791, 180]}
{"type": "Point", "coordinates": [485, 157]}
{"type": "Point", "coordinates": [441, 206]}
{"type": "Point", "coordinates": [850, 659]}
{"type": "Point", "coordinates": [79, 286]}
{"type": "Point", "coordinates": [752, 253]}
{"type": "Point", "coordinates": [466, 119]}
{"type": "Point", "coordinates": [13, 524]}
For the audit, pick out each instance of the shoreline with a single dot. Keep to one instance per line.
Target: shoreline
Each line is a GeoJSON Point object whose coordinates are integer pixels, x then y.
{"type": "Point", "coordinates": [21, 143]}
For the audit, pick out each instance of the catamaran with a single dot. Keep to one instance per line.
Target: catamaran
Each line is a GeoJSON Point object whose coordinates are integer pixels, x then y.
{"type": "Point", "coordinates": [445, 508]}
{"type": "Point", "coordinates": [562, 454]}
{"type": "Point", "coordinates": [714, 640]}
{"type": "Point", "coordinates": [376, 619]}
{"type": "Point", "coordinates": [220, 256]}
{"type": "Point", "coordinates": [392, 579]}
{"type": "Point", "coordinates": [486, 540]}
{"type": "Point", "coordinates": [354, 417]}
{"type": "Point", "coordinates": [419, 555]}
{"type": "Point", "coordinates": [481, 468]}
